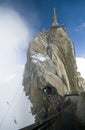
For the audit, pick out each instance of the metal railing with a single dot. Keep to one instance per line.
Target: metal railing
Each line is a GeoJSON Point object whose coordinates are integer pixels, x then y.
{"type": "Point", "coordinates": [51, 123]}
{"type": "Point", "coordinates": [45, 125]}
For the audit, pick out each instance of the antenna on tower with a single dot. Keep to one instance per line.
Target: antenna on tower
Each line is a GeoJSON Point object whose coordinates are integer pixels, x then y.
{"type": "Point", "coordinates": [55, 23]}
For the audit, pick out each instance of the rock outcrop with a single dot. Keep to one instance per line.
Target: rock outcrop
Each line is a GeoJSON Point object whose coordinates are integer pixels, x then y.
{"type": "Point", "coordinates": [50, 63]}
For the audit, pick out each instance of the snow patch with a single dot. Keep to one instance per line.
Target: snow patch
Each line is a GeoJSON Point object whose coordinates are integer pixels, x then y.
{"type": "Point", "coordinates": [40, 57]}
{"type": "Point", "coordinates": [36, 38]}
{"type": "Point", "coordinates": [33, 60]}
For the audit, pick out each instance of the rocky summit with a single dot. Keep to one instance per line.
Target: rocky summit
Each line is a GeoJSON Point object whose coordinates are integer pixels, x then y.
{"type": "Point", "coordinates": [51, 60]}
{"type": "Point", "coordinates": [50, 68]}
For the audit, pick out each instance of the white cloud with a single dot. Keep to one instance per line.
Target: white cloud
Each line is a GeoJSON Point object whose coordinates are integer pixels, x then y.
{"type": "Point", "coordinates": [81, 66]}
{"type": "Point", "coordinates": [14, 36]}
{"type": "Point", "coordinates": [14, 39]}
{"type": "Point", "coordinates": [81, 27]}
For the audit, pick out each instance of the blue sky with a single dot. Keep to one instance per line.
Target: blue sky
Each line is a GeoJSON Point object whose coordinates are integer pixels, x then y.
{"type": "Point", "coordinates": [39, 13]}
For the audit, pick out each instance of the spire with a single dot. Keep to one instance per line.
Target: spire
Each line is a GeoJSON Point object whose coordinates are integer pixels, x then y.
{"type": "Point", "coordinates": [55, 23]}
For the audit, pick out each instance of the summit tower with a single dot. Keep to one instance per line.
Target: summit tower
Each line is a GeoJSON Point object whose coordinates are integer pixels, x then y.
{"type": "Point", "coordinates": [55, 23]}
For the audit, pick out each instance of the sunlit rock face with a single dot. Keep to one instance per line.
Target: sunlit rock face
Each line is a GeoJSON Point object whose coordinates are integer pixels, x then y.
{"type": "Point", "coordinates": [50, 62]}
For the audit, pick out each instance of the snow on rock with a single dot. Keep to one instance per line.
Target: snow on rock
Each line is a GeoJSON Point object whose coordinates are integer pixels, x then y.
{"type": "Point", "coordinates": [36, 38]}
{"type": "Point", "coordinates": [39, 57]}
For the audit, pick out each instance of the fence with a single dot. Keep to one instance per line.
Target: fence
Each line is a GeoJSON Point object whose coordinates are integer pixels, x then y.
{"type": "Point", "coordinates": [52, 123]}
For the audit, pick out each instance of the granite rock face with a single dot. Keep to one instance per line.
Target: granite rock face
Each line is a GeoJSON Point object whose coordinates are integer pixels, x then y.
{"type": "Point", "coordinates": [50, 62]}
